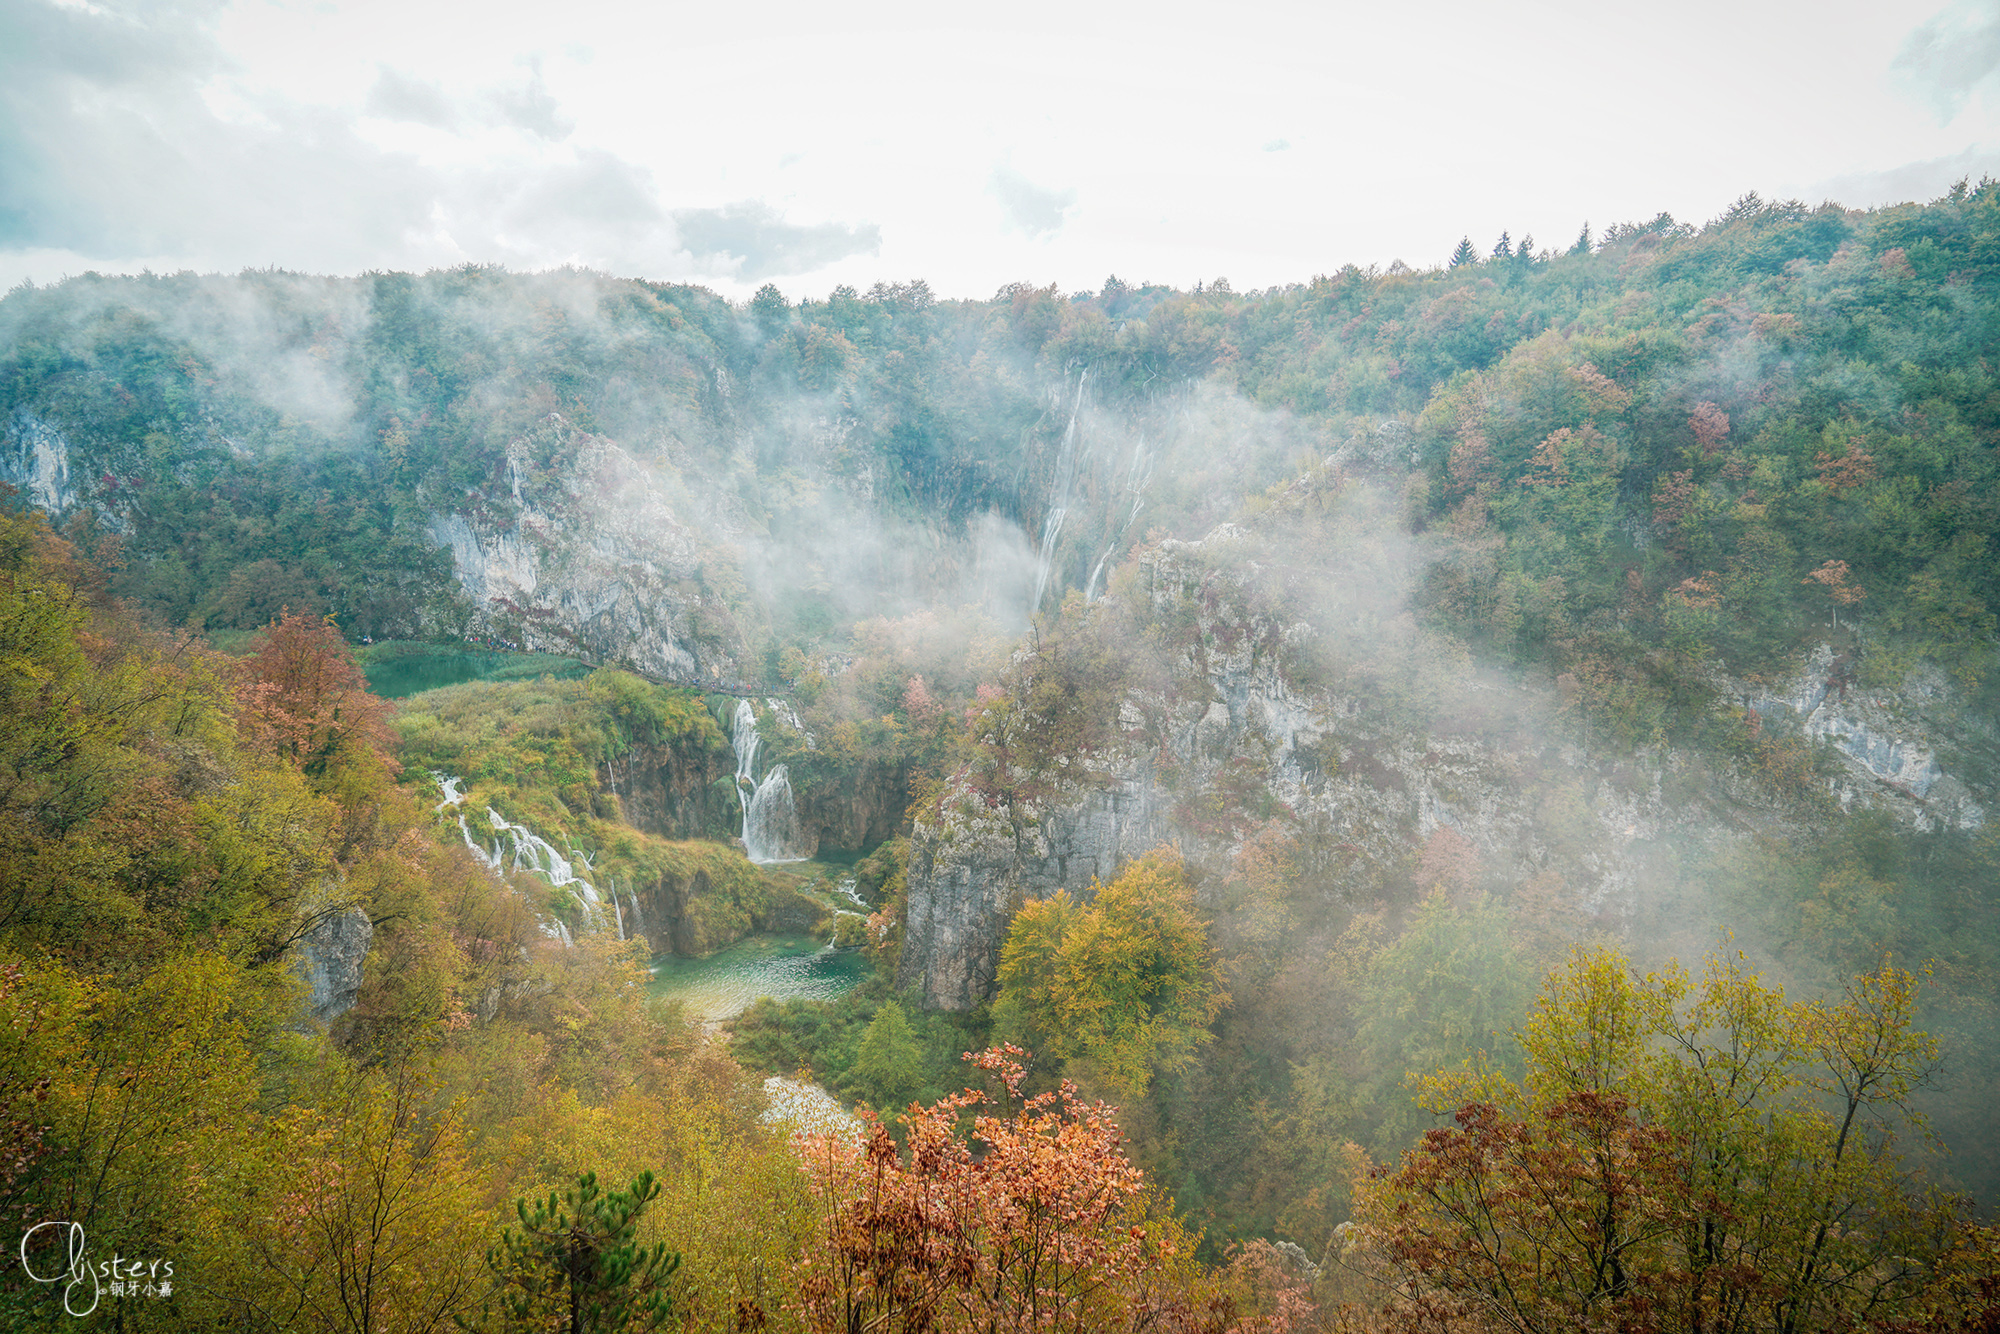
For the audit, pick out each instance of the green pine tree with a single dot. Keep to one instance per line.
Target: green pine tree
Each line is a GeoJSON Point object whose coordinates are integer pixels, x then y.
{"type": "Point", "coordinates": [577, 1264]}
{"type": "Point", "coordinates": [1503, 248]}
{"type": "Point", "coordinates": [1465, 254]}
{"type": "Point", "coordinates": [1583, 244]}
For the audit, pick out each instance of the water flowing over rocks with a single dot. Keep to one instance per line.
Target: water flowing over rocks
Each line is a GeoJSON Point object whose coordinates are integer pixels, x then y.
{"type": "Point", "coordinates": [771, 830]}
{"type": "Point", "coordinates": [530, 852]}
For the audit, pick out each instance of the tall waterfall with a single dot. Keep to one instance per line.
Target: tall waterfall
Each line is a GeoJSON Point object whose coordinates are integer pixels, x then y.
{"type": "Point", "coordinates": [771, 830]}
{"type": "Point", "coordinates": [1060, 497]}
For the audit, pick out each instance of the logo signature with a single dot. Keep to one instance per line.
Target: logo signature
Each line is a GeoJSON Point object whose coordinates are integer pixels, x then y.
{"type": "Point", "coordinates": [80, 1278]}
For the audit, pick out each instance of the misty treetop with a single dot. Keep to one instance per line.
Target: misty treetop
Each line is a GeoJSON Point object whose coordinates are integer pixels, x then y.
{"type": "Point", "coordinates": [1672, 421]}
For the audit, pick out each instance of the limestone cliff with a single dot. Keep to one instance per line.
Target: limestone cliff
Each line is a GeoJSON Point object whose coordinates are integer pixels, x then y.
{"type": "Point", "coordinates": [693, 915]}
{"type": "Point", "coordinates": [35, 460]}
{"type": "Point", "coordinates": [674, 792]}
{"type": "Point", "coordinates": [579, 552]}
{"type": "Point", "coordinates": [1364, 766]}
{"type": "Point", "coordinates": [1892, 744]}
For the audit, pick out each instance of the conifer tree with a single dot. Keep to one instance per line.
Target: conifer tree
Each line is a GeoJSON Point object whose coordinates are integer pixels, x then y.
{"type": "Point", "coordinates": [577, 1264]}
{"type": "Point", "coordinates": [1583, 243]}
{"type": "Point", "coordinates": [1503, 248]}
{"type": "Point", "coordinates": [1465, 254]}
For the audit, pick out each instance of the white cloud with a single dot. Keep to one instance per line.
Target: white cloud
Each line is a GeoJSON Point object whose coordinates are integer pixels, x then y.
{"type": "Point", "coordinates": [1912, 182]}
{"type": "Point", "coordinates": [752, 241]}
{"type": "Point", "coordinates": [1029, 209]}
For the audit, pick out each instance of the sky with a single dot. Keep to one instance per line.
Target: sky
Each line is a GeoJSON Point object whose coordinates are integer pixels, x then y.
{"type": "Point", "coordinates": [810, 145]}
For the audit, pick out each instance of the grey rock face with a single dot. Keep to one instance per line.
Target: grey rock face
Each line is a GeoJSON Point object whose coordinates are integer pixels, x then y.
{"type": "Point", "coordinates": [330, 959]}
{"type": "Point", "coordinates": [34, 459]}
{"type": "Point", "coordinates": [1888, 741]}
{"type": "Point", "coordinates": [1367, 787]}
{"type": "Point", "coordinates": [970, 873]}
{"type": "Point", "coordinates": [588, 559]}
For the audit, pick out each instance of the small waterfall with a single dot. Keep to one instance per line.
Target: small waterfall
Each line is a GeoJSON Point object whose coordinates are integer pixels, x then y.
{"type": "Point", "coordinates": [771, 821]}
{"type": "Point", "coordinates": [744, 740]}
{"type": "Point", "coordinates": [530, 852]}
{"type": "Point", "coordinates": [638, 919]}
{"type": "Point", "coordinates": [770, 815]}
{"type": "Point", "coordinates": [1090, 588]}
{"type": "Point", "coordinates": [453, 789]}
{"type": "Point", "coordinates": [490, 860]}
{"type": "Point", "coordinates": [849, 888]}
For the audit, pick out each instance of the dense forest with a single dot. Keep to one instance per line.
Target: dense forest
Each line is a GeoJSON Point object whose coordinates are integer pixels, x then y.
{"type": "Point", "coordinates": [1556, 692]}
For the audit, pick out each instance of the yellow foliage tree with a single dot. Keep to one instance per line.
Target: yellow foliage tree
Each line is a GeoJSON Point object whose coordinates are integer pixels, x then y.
{"type": "Point", "coordinates": [1125, 984]}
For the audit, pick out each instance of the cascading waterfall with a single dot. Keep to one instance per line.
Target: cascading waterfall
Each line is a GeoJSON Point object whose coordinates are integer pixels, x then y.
{"type": "Point", "coordinates": [770, 814]}
{"type": "Point", "coordinates": [1060, 497]}
{"type": "Point", "coordinates": [530, 852]}
{"type": "Point", "coordinates": [744, 739]}
{"type": "Point", "coordinates": [638, 918]}
{"type": "Point", "coordinates": [771, 821]}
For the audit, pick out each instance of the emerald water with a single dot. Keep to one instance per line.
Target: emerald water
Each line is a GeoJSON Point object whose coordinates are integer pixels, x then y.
{"type": "Point", "coordinates": [783, 967]}
{"type": "Point", "coordinates": [398, 675]}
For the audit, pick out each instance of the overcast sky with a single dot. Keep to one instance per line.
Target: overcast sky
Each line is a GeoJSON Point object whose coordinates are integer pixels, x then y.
{"type": "Point", "coordinates": [810, 144]}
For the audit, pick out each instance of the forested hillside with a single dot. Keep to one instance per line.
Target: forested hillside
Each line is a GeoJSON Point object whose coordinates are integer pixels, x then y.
{"type": "Point", "coordinates": [1491, 770]}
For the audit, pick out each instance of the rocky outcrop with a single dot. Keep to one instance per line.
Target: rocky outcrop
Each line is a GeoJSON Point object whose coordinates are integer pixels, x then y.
{"type": "Point", "coordinates": [1370, 788]}
{"type": "Point", "coordinates": [858, 811]}
{"type": "Point", "coordinates": [582, 554]}
{"type": "Point", "coordinates": [329, 962]}
{"type": "Point", "coordinates": [669, 792]}
{"type": "Point", "coordinates": [692, 915]}
{"type": "Point", "coordinates": [972, 870]}
{"type": "Point", "coordinates": [1890, 742]}
{"type": "Point", "coordinates": [34, 460]}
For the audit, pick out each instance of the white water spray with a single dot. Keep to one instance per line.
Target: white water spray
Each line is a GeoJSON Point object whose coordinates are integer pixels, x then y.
{"type": "Point", "coordinates": [771, 830]}
{"type": "Point", "coordinates": [530, 852]}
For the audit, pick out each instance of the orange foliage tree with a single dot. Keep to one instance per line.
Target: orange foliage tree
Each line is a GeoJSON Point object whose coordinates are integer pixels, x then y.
{"type": "Point", "coordinates": [304, 696]}
{"type": "Point", "coordinates": [1036, 1221]}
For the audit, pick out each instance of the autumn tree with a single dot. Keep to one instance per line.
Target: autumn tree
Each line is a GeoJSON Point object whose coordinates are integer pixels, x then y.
{"type": "Point", "coordinates": [349, 1213]}
{"type": "Point", "coordinates": [1677, 1156]}
{"type": "Point", "coordinates": [1033, 1221]}
{"type": "Point", "coordinates": [1710, 425]}
{"type": "Point", "coordinates": [1125, 984]}
{"type": "Point", "coordinates": [305, 695]}
{"type": "Point", "coordinates": [1832, 576]}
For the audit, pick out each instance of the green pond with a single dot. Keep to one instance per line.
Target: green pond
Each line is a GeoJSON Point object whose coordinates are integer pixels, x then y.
{"type": "Point", "coordinates": [784, 967]}
{"type": "Point", "coordinates": [400, 673]}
